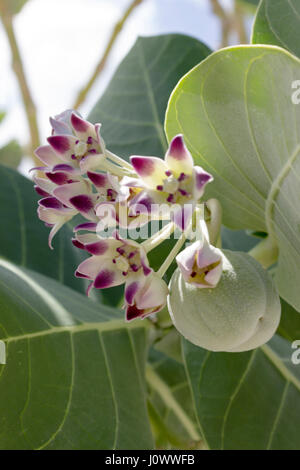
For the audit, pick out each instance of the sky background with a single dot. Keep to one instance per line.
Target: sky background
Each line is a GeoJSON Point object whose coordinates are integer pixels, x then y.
{"type": "Point", "coordinates": [62, 40]}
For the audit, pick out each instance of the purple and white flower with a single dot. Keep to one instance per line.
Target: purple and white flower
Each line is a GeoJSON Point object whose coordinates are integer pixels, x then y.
{"type": "Point", "coordinates": [114, 261]}
{"type": "Point", "coordinates": [173, 181]}
{"type": "Point", "coordinates": [146, 297]}
{"type": "Point", "coordinates": [200, 264]}
{"type": "Point", "coordinates": [75, 145]}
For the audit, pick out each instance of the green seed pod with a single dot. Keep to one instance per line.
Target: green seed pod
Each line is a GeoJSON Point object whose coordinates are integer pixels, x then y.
{"type": "Point", "coordinates": [241, 313]}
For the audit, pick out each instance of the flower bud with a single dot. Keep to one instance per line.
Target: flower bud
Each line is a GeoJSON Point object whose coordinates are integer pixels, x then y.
{"type": "Point", "coordinates": [241, 313]}
{"type": "Point", "coordinates": [201, 264]}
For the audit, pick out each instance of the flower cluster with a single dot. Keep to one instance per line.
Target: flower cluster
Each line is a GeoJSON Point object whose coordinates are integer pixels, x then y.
{"type": "Point", "coordinates": [81, 176]}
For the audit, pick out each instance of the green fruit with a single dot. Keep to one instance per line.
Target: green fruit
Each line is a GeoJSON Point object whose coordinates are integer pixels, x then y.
{"type": "Point", "coordinates": [241, 313]}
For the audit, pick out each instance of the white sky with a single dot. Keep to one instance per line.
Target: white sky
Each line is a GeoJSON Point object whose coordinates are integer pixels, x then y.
{"type": "Point", "coordinates": [62, 40]}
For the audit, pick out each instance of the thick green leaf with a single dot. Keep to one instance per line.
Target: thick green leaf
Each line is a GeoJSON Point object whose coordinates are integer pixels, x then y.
{"type": "Point", "coordinates": [24, 238]}
{"type": "Point", "coordinates": [133, 106]}
{"type": "Point", "coordinates": [289, 326]}
{"type": "Point", "coordinates": [248, 400]}
{"type": "Point", "coordinates": [170, 403]}
{"type": "Point", "coordinates": [74, 377]}
{"type": "Point", "coordinates": [278, 22]}
{"type": "Point", "coordinates": [11, 154]}
{"type": "Point", "coordinates": [238, 120]}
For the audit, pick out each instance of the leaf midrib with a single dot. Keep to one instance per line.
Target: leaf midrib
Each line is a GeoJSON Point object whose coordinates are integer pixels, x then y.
{"type": "Point", "coordinates": [78, 328]}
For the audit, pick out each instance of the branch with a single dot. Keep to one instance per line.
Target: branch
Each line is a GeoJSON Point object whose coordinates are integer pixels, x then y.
{"type": "Point", "coordinates": [18, 68]}
{"type": "Point", "coordinates": [225, 20]}
{"type": "Point", "coordinates": [114, 35]}
{"type": "Point", "coordinates": [239, 23]}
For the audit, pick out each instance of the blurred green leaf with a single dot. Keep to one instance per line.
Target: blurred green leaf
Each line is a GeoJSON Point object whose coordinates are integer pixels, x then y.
{"type": "Point", "coordinates": [11, 154]}
{"type": "Point", "coordinates": [74, 377]}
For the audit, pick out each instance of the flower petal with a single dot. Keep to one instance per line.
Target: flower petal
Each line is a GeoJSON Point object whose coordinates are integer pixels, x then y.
{"type": "Point", "coordinates": [46, 154]}
{"type": "Point", "coordinates": [63, 145]}
{"type": "Point", "coordinates": [100, 141]}
{"type": "Point", "coordinates": [108, 276]}
{"type": "Point", "coordinates": [67, 191]}
{"type": "Point", "coordinates": [131, 289]}
{"type": "Point", "coordinates": [100, 180]}
{"type": "Point", "coordinates": [61, 123]}
{"type": "Point", "coordinates": [83, 129]}
{"type": "Point", "coordinates": [91, 161]}
{"type": "Point", "coordinates": [186, 259]}
{"type": "Point", "coordinates": [58, 178]}
{"type": "Point", "coordinates": [181, 216]}
{"type": "Point", "coordinates": [150, 297]}
{"type": "Point", "coordinates": [151, 170]}
{"type": "Point", "coordinates": [178, 158]}
{"type": "Point", "coordinates": [86, 226]}
{"type": "Point", "coordinates": [90, 267]}
{"type": "Point", "coordinates": [201, 180]}
{"type": "Point", "coordinates": [85, 205]}
{"type": "Point", "coordinates": [43, 183]}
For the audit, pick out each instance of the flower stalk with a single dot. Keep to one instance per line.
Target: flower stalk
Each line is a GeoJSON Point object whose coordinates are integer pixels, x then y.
{"type": "Point", "coordinates": [265, 252]}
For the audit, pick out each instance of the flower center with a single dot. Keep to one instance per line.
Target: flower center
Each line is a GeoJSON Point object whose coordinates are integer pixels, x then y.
{"type": "Point", "coordinates": [82, 149]}
{"type": "Point", "coordinates": [198, 274]}
{"type": "Point", "coordinates": [127, 260]}
{"type": "Point", "coordinates": [176, 188]}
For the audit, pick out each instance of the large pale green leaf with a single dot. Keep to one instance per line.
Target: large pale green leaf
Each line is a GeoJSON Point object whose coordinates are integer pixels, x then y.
{"type": "Point", "coordinates": [278, 22]}
{"type": "Point", "coordinates": [238, 119]}
{"type": "Point", "coordinates": [74, 377]}
{"type": "Point", "coordinates": [248, 400]}
{"type": "Point", "coordinates": [133, 106]}
{"type": "Point", "coordinates": [24, 238]}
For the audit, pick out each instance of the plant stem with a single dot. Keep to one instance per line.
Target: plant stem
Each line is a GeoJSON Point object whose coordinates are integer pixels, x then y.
{"type": "Point", "coordinates": [239, 23]}
{"type": "Point", "coordinates": [265, 252]}
{"type": "Point", "coordinates": [18, 68]}
{"type": "Point", "coordinates": [117, 170]}
{"type": "Point", "coordinates": [114, 35]}
{"type": "Point", "coordinates": [225, 20]}
{"type": "Point", "coordinates": [166, 395]}
{"type": "Point", "coordinates": [176, 248]}
{"type": "Point", "coordinates": [158, 237]}
{"type": "Point", "coordinates": [114, 158]}
{"type": "Point", "coordinates": [215, 220]}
